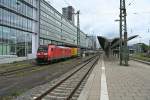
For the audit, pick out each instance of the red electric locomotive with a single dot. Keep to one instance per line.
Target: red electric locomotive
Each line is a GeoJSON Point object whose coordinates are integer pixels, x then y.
{"type": "Point", "coordinates": [47, 53]}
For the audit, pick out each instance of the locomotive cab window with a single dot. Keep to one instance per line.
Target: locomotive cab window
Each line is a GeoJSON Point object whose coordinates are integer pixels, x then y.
{"type": "Point", "coordinates": [43, 48]}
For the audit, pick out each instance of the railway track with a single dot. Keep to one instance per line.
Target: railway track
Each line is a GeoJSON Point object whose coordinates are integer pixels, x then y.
{"type": "Point", "coordinates": [66, 88]}
{"type": "Point", "coordinates": [18, 70]}
{"type": "Point", "coordinates": [25, 69]}
{"type": "Point", "coordinates": [141, 61]}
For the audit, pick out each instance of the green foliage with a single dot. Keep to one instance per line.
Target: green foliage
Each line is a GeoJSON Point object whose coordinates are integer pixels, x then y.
{"type": "Point", "coordinates": [145, 47]}
{"type": "Point", "coordinates": [141, 56]}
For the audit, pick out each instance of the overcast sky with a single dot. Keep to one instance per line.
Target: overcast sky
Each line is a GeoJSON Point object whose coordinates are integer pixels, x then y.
{"type": "Point", "coordinates": [97, 17]}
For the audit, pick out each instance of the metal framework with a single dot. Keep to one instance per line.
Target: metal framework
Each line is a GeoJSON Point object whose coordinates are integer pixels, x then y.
{"type": "Point", "coordinates": [123, 30]}
{"type": "Point", "coordinates": [78, 32]}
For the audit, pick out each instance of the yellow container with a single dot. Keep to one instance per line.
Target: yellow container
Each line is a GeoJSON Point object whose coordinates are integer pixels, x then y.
{"type": "Point", "coordinates": [74, 52]}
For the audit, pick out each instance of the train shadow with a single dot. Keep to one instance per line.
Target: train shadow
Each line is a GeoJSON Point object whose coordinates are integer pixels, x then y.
{"type": "Point", "coordinates": [42, 63]}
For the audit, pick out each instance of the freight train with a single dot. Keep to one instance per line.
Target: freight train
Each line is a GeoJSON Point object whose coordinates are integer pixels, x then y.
{"type": "Point", "coordinates": [48, 53]}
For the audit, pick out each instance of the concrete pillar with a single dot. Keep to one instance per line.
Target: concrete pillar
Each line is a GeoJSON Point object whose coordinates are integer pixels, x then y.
{"type": "Point", "coordinates": [34, 45]}
{"type": "Point", "coordinates": [36, 30]}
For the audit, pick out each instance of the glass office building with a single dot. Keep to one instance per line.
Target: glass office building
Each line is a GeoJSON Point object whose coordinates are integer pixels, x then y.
{"type": "Point", "coordinates": [26, 24]}
{"type": "Point", "coordinates": [17, 22]}
{"type": "Point", "coordinates": [56, 29]}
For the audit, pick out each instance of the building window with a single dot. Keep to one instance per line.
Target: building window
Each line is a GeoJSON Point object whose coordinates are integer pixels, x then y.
{"type": "Point", "coordinates": [15, 42]}
{"type": "Point", "coordinates": [1, 34]}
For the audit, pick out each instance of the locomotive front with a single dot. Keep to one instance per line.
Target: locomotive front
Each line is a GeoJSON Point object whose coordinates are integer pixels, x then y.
{"type": "Point", "coordinates": [42, 54]}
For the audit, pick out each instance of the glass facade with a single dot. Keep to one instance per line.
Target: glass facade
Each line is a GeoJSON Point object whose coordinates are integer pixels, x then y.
{"type": "Point", "coordinates": [22, 20]}
{"type": "Point", "coordinates": [14, 20]}
{"type": "Point", "coordinates": [83, 40]}
{"type": "Point", "coordinates": [16, 26]}
{"type": "Point", "coordinates": [54, 28]}
{"type": "Point", "coordinates": [14, 42]}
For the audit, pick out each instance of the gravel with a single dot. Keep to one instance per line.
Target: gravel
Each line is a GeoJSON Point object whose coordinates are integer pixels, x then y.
{"type": "Point", "coordinates": [12, 86]}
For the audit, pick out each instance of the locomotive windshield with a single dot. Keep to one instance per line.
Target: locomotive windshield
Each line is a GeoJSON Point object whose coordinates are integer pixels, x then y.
{"type": "Point", "coordinates": [43, 48]}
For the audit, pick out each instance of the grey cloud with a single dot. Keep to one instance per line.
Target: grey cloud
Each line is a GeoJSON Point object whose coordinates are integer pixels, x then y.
{"type": "Point", "coordinates": [99, 16]}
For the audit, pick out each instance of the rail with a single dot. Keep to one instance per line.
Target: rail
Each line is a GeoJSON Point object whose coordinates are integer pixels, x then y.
{"type": "Point", "coordinates": [27, 68]}
{"type": "Point", "coordinates": [82, 71]}
{"type": "Point", "coordinates": [145, 62]}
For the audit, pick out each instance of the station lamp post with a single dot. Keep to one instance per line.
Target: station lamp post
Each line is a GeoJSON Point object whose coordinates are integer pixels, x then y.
{"type": "Point", "coordinates": [120, 41]}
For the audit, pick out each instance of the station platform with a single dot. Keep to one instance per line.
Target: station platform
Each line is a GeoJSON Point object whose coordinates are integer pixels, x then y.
{"type": "Point", "coordinates": [110, 81]}
{"type": "Point", "coordinates": [11, 59]}
{"type": "Point", "coordinates": [14, 58]}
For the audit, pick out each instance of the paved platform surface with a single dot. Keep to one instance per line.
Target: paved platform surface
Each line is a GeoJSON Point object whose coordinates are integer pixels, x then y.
{"type": "Point", "coordinates": [91, 90]}
{"type": "Point", "coordinates": [128, 83]}
{"type": "Point", "coordinates": [122, 82]}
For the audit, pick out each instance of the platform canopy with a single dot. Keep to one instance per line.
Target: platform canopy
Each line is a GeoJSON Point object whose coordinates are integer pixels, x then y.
{"type": "Point", "coordinates": [108, 44]}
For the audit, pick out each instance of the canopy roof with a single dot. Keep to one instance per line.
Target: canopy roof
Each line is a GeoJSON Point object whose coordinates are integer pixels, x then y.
{"type": "Point", "coordinates": [111, 43]}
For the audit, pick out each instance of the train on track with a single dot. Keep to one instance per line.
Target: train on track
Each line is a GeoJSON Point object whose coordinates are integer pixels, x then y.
{"type": "Point", "coordinates": [48, 53]}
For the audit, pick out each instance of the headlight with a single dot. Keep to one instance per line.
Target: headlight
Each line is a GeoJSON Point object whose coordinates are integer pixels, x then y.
{"type": "Point", "coordinates": [38, 54]}
{"type": "Point", "coordinates": [45, 54]}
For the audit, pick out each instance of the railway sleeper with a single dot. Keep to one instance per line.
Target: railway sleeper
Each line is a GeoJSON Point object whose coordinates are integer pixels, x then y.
{"type": "Point", "coordinates": [50, 97]}
{"type": "Point", "coordinates": [58, 94]}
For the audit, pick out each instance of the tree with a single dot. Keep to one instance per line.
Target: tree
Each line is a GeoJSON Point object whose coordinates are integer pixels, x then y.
{"type": "Point", "coordinates": [144, 47]}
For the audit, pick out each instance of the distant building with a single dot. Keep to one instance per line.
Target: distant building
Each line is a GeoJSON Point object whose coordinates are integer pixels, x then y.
{"type": "Point", "coordinates": [137, 47]}
{"type": "Point", "coordinates": [68, 12]}
{"type": "Point", "coordinates": [92, 42]}
{"type": "Point", "coordinates": [131, 49]}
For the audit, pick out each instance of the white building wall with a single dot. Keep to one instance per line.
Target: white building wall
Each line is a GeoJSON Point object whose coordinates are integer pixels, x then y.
{"type": "Point", "coordinates": [35, 35]}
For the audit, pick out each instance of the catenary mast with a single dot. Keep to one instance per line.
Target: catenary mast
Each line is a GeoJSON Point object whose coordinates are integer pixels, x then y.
{"type": "Point", "coordinates": [123, 30]}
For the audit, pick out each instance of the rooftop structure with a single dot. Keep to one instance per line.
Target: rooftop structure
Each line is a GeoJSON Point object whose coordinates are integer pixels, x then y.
{"type": "Point", "coordinates": [68, 12]}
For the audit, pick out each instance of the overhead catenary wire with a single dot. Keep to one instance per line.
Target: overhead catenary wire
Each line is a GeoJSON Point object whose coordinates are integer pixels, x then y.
{"type": "Point", "coordinates": [50, 1]}
{"type": "Point", "coordinates": [139, 13]}
{"type": "Point", "coordinates": [67, 3]}
{"type": "Point", "coordinates": [130, 3]}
